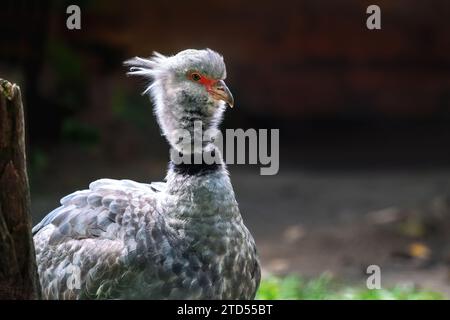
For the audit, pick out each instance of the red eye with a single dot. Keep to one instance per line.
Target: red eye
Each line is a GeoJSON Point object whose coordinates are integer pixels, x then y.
{"type": "Point", "coordinates": [195, 76]}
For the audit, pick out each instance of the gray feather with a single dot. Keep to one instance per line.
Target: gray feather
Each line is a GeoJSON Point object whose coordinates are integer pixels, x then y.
{"type": "Point", "coordinates": [182, 239]}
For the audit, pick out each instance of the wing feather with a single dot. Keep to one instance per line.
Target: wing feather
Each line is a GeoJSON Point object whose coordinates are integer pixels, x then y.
{"type": "Point", "coordinates": [89, 213]}
{"type": "Point", "coordinates": [94, 229]}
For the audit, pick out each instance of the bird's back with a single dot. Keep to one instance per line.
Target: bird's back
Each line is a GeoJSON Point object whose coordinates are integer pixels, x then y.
{"type": "Point", "coordinates": [84, 248]}
{"type": "Point", "coordinates": [119, 240]}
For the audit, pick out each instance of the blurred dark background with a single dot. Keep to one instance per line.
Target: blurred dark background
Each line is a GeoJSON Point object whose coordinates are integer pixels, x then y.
{"type": "Point", "coordinates": [364, 117]}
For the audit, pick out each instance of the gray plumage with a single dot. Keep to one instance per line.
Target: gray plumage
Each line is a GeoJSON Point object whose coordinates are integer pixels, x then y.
{"type": "Point", "coordinates": [182, 239]}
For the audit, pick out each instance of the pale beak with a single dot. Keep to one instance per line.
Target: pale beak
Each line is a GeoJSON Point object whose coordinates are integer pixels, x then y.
{"type": "Point", "coordinates": [220, 91]}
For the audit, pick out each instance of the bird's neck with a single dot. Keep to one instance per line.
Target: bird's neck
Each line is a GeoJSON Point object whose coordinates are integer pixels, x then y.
{"type": "Point", "coordinates": [199, 160]}
{"type": "Point", "coordinates": [200, 190]}
{"type": "Point", "coordinates": [184, 120]}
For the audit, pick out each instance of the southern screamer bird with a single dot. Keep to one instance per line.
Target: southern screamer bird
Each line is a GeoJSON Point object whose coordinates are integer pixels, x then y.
{"type": "Point", "coordinates": [181, 239]}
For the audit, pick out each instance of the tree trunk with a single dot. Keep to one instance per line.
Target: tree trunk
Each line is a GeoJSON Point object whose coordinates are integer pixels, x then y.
{"type": "Point", "coordinates": [18, 274]}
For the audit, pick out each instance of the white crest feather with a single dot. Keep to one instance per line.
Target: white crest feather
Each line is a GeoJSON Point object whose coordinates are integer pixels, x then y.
{"type": "Point", "coordinates": [150, 68]}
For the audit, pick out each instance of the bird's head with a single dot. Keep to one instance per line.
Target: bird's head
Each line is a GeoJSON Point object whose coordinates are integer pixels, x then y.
{"type": "Point", "coordinates": [185, 88]}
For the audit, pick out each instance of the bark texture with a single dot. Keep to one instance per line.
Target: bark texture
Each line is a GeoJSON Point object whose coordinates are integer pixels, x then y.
{"type": "Point", "coordinates": [18, 274]}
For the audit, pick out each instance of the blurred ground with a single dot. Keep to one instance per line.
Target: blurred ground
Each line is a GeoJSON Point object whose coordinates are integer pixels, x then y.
{"type": "Point", "coordinates": [313, 220]}
{"type": "Point", "coordinates": [310, 223]}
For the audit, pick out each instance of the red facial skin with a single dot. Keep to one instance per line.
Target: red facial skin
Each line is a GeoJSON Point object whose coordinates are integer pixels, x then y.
{"type": "Point", "coordinates": [216, 88]}
{"type": "Point", "coordinates": [208, 83]}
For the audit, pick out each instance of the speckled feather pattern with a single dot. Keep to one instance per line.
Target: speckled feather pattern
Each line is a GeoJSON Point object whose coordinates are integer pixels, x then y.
{"type": "Point", "coordinates": [182, 239]}
{"type": "Point", "coordinates": [138, 243]}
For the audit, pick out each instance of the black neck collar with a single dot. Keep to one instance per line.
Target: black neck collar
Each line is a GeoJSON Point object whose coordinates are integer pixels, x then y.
{"type": "Point", "coordinates": [194, 168]}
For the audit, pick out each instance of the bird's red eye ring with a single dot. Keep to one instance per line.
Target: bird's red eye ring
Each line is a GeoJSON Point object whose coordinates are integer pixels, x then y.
{"type": "Point", "coordinates": [195, 76]}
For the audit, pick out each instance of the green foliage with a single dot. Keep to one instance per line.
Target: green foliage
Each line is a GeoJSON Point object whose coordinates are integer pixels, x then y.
{"type": "Point", "coordinates": [326, 288]}
{"type": "Point", "coordinates": [394, 293]}
{"type": "Point", "coordinates": [38, 161]}
{"type": "Point", "coordinates": [66, 62]}
{"type": "Point", "coordinates": [69, 77]}
{"type": "Point", "coordinates": [79, 133]}
{"type": "Point", "coordinates": [131, 108]}
{"type": "Point", "coordinates": [293, 287]}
